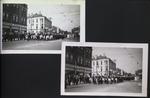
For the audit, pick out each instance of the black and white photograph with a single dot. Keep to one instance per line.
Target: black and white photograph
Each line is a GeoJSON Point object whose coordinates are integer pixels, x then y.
{"type": "Point", "coordinates": [41, 25]}
{"type": "Point", "coordinates": [104, 69]}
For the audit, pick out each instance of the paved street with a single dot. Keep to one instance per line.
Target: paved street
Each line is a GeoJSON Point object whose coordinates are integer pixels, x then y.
{"type": "Point", "coordinates": [34, 44]}
{"type": "Point", "coordinates": [126, 86]}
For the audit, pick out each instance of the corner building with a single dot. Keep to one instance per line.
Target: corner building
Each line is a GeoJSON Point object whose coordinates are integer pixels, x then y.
{"type": "Point", "coordinates": [78, 60]}
{"type": "Point", "coordinates": [37, 23]}
{"type": "Point", "coordinates": [14, 18]}
{"type": "Point", "coordinates": [103, 66]}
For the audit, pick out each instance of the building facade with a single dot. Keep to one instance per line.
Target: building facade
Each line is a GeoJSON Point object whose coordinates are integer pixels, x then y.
{"type": "Point", "coordinates": [75, 32]}
{"type": "Point", "coordinates": [37, 23]}
{"type": "Point", "coordinates": [78, 60]}
{"type": "Point", "coordinates": [138, 74]}
{"type": "Point", "coordinates": [55, 30]}
{"type": "Point", "coordinates": [14, 18]}
{"type": "Point", "coordinates": [103, 66]}
{"type": "Point", "coordinates": [118, 72]}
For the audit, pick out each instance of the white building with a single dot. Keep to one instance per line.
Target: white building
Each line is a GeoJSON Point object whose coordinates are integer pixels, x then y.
{"type": "Point", "coordinates": [103, 66]}
{"type": "Point", "coordinates": [38, 23]}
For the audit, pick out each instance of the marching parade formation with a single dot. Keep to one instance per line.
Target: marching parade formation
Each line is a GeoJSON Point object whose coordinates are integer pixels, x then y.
{"type": "Point", "coordinates": [32, 36]}
{"type": "Point", "coordinates": [22, 27]}
{"type": "Point", "coordinates": [78, 79]}
{"type": "Point", "coordinates": [83, 68]}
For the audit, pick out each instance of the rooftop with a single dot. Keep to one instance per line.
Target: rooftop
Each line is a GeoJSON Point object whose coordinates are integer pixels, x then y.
{"type": "Point", "coordinates": [99, 57]}
{"type": "Point", "coordinates": [38, 15]}
{"type": "Point", "coordinates": [102, 57]}
{"type": "Point", "coordinates": [35, 15]}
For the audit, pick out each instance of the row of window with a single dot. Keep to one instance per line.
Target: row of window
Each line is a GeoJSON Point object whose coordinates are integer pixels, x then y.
{"type": "Point", "coordinates": [32, 25]}
{"type": "Point", "coordinates": [83, 50]}
{"type": "Point", "coordinates": [14, 18]}
{"type": "Point", "coordinates": [79, 59]}
{"type": "Point", "coordinates": [105, 62]}
{"type": "Point", "coordinates": [5, 15]}
{"type": "Point", "coordinates": [31, 21]}
{"type": "Point", "coordinates": [14, 5]}
{"type": "Point", "coordinates": [100, 68]}
{"type": "Point", "coordinates": [37, 26]}
{"type": "Point", "coordinates": [22, 8]}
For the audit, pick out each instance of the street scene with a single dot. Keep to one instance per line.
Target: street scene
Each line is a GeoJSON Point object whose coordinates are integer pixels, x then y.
{"type": "Point", "coordinates": [102, 69]}
{"type": "Point", "coordinates": [39, 27]}
{"type": "Point", "coordinates": [35, 44]}
{"type": "Point", "coordinates": [126, 86]}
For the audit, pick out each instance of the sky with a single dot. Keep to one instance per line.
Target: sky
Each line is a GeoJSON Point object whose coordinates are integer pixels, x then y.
{"type": "Point", "coordinates": [65, 17]}
{"type": "Point", "coordinates": [128, 59]}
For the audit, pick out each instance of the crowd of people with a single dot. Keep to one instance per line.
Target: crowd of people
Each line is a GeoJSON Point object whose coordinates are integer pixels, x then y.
{"type": "Point", "coordinates": [31, 36]}
{"type": "Point", "coordinates": [75, 79]}
{"type": "Point", "coordinates": [11, 36]}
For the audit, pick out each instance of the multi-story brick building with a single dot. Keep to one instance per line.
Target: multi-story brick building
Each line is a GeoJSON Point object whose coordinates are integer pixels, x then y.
{"type": "Point", "coordinates": [78, 60]}
{"type": "Point", "coordinates": [14, 18]}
